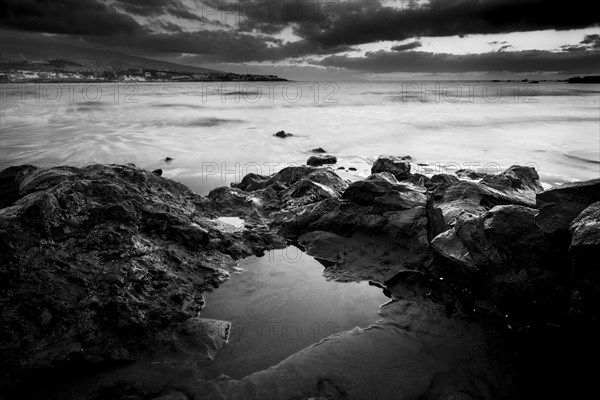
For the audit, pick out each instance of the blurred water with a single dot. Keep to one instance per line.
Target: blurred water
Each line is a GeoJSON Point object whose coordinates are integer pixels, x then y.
{"type": "Point", "coordinates": [217, 132]}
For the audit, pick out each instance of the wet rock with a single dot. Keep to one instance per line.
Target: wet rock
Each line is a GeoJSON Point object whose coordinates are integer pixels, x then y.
{"type": "Point", "coordinates": [475, 198]}
{"type": "Point", "coordinates": [319, 160]}
{"type": "Point", "coordinates": [516, 177]}
{"type": "Point", "coordinates": [385, 192]}
{"type": "Point", "coordinates": [352, 169]}
{"type": "Point", "coordinates": [251, 182]}
{"type": "Point", "coordinates": [168, 160]}
{"type": "Point", "coordinates": [559, 206]}
{"type": "Point", "coordinates": [585, 247]}
{"type": "Point", "coordinates": [10, 182]}
{"type": "Point", "coordinates": [158, 172]}
{"type": "Point", "coordinates": [470, 174]}
{"type": "Point", "coordinates": [95, 261]}
{"type": "Point", "coordinates": [441, 181]}
{"type": "Point", "coordinates": [282, 134]}
{"type": "Point", "coordinates": [173, 395]}
{"type": "Point", "coordinates": [397, 166]}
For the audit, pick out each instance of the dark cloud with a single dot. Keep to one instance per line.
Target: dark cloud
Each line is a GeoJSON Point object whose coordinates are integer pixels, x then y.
{"type": "Point", "coordinates": [87, 17]}
{"type": "Point", "coordinates": [356, 22]}
{"type": "Point", "coordinates": [522, 61]}
{"type": "Point", "coordinates": [593, 41]}
{"type": "Point", "coordinates": [407, 46]}
{"type": "Point", "coordinates": [371, 23]}
{"type": "Point", "coordinates": [589, 42]}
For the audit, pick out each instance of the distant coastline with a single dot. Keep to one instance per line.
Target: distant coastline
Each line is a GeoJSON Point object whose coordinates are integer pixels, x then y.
{"type": "Point", "coordinates": [58, 71]}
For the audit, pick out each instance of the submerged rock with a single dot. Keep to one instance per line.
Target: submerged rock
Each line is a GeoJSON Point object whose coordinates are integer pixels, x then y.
{"type": "Point", "coordinates": [282, 134]}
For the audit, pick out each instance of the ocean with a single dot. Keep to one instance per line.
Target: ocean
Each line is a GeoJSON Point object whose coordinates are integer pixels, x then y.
{"type": "Point", "coordinates": [216, 132]}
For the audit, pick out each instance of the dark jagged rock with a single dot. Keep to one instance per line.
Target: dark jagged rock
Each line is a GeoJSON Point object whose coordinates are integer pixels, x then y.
{"type": "Point", "coordinates": [168, 160]}
{"type": "Point", "coordinates": [397, 166]}
{"type": "Point", "coordinates": [385, 192]}
{"type": "Point", "coordinates": [316, 161]}
{"type": "Point", "coordinates": [94, 261]}
{"type": "Point", "coordinates": [441, 181]}
{"type": "Point", "coordinates": [158, 172]}
{"type": "Point", "coordinates": [478, 197]}
{"type": "Point", "coordinates": [516, 177]}
{"type": "Point", "coordinates": [282, 134]}
{"type": "Point", "coordinates": [559, 206]}
{"type": "Point", "coordinates": [470, 174]}
{"type": "Point", "coordinates": [585, 248]}
{"type": "Point", "coordinates": [10, 181]}
{"type": "Point", "coordinates": [251, 182]}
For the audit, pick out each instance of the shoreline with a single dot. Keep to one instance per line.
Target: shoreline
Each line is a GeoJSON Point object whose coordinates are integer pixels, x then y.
{"type": "Point", "coordinates": [470, 255]}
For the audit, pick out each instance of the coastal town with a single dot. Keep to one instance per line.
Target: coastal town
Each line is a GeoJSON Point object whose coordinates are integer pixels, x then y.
{"type": "Point", "coordinates": [66, 71]}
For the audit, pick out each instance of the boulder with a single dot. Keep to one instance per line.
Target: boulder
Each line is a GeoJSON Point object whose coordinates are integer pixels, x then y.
{"type": "Point", "coordinates": [94, 261]}
{"type": "Point", "coordinates": [585, 248]}
{"type": "Point", "coordinates": [476, 198]}
{"type": "Point", "coordinates": [385, 192]}
{"type": "Point", "coordinates": [441, 181]}
{"type": "Point", "coordinates": [251, 182]}
{"type": "Point", "coordinates": [516, 177]}
{"type": "Point", "coordinates": [559, 206]}
{"type": "Point", "coordinates": [469, 174]}
{"type": "Point", "coordinates": [316, 161]}
{"type": "Point", "coordinates": [10, 181]}
{"type": "Point", "coordinates": [397, 166]}
{"type": "Point", "coordinates": [319, 150]}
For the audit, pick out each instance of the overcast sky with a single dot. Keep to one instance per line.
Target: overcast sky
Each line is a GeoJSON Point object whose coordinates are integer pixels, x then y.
{"type": "Point", "coordinates": [308, 39]}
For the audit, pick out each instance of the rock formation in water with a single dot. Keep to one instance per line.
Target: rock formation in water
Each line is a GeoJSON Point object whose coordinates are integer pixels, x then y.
{"type": "Point", "coordinates": [101, 263]}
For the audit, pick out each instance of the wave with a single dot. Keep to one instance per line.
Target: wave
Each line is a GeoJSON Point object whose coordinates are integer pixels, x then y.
{"type": "Point", "coordinates": [586, 157]}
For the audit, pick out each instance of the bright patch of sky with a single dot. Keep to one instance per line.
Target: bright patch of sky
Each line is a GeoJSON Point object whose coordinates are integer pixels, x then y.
{"type": "Point", "coordinates": [549, 40]}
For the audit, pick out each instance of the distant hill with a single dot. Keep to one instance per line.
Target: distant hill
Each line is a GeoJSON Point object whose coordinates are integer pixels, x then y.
{"type": "Point", "coordinates": [585, 79]}
{"type": "Point", "coordinates": [34, 49]}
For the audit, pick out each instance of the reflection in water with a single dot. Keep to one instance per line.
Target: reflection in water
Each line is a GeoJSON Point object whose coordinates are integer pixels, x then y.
{"type": "Point", "coordinates": [281, 304]}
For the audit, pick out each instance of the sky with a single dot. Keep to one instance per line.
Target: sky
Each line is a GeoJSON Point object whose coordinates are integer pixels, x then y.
{"type": "Point", "coordinates": [323, 40]}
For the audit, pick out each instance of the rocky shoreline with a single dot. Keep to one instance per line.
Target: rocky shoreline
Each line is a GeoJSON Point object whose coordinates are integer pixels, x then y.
{"type": "Point", "coordinates": [103, 264]}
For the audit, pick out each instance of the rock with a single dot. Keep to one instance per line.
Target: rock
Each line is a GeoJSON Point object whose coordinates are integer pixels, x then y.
{"type": "Point", "coordinates": [513, 230]}
{"type": "Point", "coordinates": [351, 169]}
{"type": "Point", "coordinates": [585, 247]}
{"type": "Point", "coordinates": [168, 160]}
{"type": "Point", "coordinates": [516, 177]}
{"type": "Point", "coordinates": [319, 160]}
{"type": "Point", "coordinates": [441, 181]}
{"type": "Point", "coordinates": [559, 206]}
{"type": "Point", "coordinates": [282, 134]}
{"type": "Point", "coordinates": [476, 198]}
{"type": "Point", "coordinates": [251, 182]}
{"type": "Point", "coordinates": [10, 181]}
{"type": "Point", "coordinates": [158, 172]}
{"type": "Point", "coordinates": [290, 175]}
{"type": "Point", "coordinates": [385, 192]}
{"type": "Point", "coordinates": [470, 174]}
{"type": "Point", "coordinates": [397, 166]}
{"type": "Point", "coordinates": [318, 150]}
{"type": "Point", "coordinates": [172, 395]}
{"type": "Point", "coordinates": [86, 252]}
